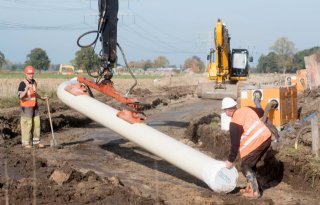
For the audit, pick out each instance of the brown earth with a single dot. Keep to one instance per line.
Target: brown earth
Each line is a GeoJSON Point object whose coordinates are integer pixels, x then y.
{"type": "Point", "coordinates": [93, 165]}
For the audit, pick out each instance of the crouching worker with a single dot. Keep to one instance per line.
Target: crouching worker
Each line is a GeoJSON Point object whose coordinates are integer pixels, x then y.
{"type": "Point", "coordinates": [250, 137]}
{"type": "Point", "coordinates": [30, 119]}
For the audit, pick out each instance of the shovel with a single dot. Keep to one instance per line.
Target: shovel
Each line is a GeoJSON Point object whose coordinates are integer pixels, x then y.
{"type": "Point", "coordinates": [53, 141]}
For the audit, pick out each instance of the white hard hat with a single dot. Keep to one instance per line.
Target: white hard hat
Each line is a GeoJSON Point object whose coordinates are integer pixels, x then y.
{"type": "Point", "coordinates": [228, 102]}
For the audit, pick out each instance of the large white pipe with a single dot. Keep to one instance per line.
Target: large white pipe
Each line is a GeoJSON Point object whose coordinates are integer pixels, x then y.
{"type": "Point", "coordinates": [211, 171]}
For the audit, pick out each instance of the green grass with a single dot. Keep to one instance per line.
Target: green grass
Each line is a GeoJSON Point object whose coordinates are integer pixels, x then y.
{"type": "Point", "coordinates": [15, 75]}
{"type": "Point", "coordinates": [9, 102]}
{"type": "Point", "coordinates": [50, 94]}
{"type": "Point", "coordinates": [14, 100]}
{"type": "Point", "coordinates": [304, 160]}
{"type": "Point", "coordinates": [311, 170]}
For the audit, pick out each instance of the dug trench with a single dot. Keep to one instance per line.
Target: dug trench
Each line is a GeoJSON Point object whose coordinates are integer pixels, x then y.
{"type": "Point", "coordinates": [95, 166]}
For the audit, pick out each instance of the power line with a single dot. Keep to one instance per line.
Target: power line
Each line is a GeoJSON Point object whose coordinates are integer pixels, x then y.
{"type": "Point", "coordinates": [136, 46]}
{"type": "Point", "coordinates": [159, 30]}
{"type": "Point", "coordinates": [155, 40]}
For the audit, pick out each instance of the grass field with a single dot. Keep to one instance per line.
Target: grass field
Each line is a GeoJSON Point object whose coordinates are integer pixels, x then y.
{"type": "Point", "coordinates": [54, 75]}
{"type": "Point", "coordinates": [48, 83]}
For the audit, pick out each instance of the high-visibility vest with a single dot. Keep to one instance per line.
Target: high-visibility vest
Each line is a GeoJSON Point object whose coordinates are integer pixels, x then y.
{"type": "Point", "coordinates": [255, 131]}
{"type": "Point", "coordinates": [29, 100]}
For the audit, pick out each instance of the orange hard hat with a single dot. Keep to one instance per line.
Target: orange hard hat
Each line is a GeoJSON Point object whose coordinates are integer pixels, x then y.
{"type": "Point", "coordinates": [29, 70]}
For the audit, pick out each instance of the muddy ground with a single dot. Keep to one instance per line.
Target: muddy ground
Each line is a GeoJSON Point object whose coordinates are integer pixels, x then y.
{"type": "Point", "coordinates": [93, 165]}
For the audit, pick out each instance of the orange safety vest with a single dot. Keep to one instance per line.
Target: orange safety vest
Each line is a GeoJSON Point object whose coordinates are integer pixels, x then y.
{"type": "Point", "coordinates": [255, 131]}
{"type": "Point", "coordinates": [30, 99]}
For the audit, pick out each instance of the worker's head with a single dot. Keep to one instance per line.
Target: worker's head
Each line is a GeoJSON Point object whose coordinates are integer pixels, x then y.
{"type": "Point", "coordinates": [229, 105]}
{"type": "Point", "coordinates": [29, 71]}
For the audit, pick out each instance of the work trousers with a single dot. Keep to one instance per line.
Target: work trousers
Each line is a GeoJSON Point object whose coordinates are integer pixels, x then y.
{"type": "Point", "coordinates": [249, 162]}
{"type": "Point", "coordinates": [30, 130]}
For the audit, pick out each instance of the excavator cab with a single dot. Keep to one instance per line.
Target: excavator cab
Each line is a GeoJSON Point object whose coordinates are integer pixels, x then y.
{"type": "Point", "coordinates": [240, 63]}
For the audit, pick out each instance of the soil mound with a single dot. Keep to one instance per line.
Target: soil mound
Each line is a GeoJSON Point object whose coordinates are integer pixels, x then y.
{"type": "Point", "coordinates": [28, 179]}
{"type": "Point", "coordinates": [206, 132]}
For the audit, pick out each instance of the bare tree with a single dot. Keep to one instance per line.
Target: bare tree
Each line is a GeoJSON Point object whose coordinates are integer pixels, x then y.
{"type": "Point", "coordinates": [160, 61]}
{"type": "Point", "coordinates": [285, 50]}
{"type": "Point", "coordinates": [195, 64]}
{"type": "Point", "coordinates": [132, 64]}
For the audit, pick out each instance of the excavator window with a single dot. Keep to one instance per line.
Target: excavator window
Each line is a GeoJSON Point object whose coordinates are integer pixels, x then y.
{"type": "Point", "coordinates": [239, 60]}
{"type": "Point", "coordinates": [210, 56]}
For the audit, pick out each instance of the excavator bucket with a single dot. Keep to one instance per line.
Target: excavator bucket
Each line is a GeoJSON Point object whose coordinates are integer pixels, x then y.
{"type": "Point", "coordinates": [208, 90]}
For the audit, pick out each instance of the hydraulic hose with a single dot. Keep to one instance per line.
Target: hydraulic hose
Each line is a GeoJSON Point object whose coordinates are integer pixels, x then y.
{"type": "Point", "coordinates": [271, 105]}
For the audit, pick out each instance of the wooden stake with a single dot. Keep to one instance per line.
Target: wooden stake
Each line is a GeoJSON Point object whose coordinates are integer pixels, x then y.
{"type": "Point", "coordinates": [315, 135]}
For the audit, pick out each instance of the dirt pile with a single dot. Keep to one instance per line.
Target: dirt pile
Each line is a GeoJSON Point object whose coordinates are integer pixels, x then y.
{"type": "Point", "coordinates": [308, 102]}
{"type": "Point", "coordinates": [8, 124]}
{"type": "Point", "coordinates": [206, 132]}
{"type": "Point", "coordinates": [26, 179]}
{"type": "Point", "coordinates": [164, 95]}
{"type": "Point", "coordinates": [62, 117]}
{"type": "Point", "coordinates": [151, 98]}
{"type": "Point", "coordinates": [296, 146]}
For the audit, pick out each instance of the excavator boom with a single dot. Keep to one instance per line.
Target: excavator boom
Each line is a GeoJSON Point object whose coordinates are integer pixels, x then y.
{"type": "Point", "coordinates": [131, 110]}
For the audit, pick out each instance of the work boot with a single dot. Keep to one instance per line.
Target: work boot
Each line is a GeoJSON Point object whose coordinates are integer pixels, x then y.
{"type": "Point", "coordinates": [246, 189]}
{"type": "Point", "coordinates": [41, 145]}
{"type": "Point", "coordinates": [252, 190]}
{"type": "Point", "coordinates": [27, 146]}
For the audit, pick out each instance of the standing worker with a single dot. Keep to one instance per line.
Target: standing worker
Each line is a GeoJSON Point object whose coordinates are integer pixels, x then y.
{"type": "Point", "coordinates": [250, 137]}
{"type": "Point", "coordinates": [30, 119]}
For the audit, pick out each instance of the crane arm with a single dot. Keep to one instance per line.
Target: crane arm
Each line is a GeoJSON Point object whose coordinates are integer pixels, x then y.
{"type": "Point", "coordinates": [132, 111]}
{"type": "Point", "coordinates": [108, 18]}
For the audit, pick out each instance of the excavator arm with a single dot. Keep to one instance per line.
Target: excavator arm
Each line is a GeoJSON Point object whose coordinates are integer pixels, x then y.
{"type": "Point", "coordinates": [108, 15]}
{"type": "Point", "coordinates": [131, 109]}
{"type": "Point", "coordinates": [225, 67]}
{"type": "Point", "coordinates": [219, 68]}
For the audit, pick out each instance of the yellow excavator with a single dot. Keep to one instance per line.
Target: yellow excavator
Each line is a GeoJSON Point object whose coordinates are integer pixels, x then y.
{"type": "Point", "coordinates": [226, 67]}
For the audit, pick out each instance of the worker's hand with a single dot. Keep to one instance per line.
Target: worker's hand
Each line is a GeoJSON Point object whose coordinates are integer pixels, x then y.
{"type": "Point", "coordinates": [229, 165]}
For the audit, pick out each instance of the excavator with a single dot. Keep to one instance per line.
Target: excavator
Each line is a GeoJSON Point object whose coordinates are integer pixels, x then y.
{"type": "Point", "coordinates": [226, 67]}
{"type": "Point", "coordinates": [131, 109]}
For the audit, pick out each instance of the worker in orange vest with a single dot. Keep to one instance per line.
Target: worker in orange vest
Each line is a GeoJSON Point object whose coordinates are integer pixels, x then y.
{"type": "Point", "coordinates": [250, 137]}
{"type": "Point", "coordinates": [30, 119]}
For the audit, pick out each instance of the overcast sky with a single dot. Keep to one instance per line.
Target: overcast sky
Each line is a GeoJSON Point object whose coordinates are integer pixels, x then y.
{"type": "Point", "coordinates": [177, 29]}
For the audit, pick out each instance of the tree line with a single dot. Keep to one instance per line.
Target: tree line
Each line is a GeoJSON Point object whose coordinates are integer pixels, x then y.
{"type": "Point", "coordinates": [283, 57]}
{"type": "Point", "coordinates": [87, 58]}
